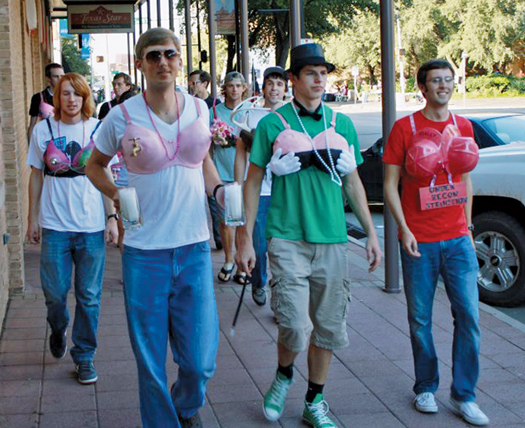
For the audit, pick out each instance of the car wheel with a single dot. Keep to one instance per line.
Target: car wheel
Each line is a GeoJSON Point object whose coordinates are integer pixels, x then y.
{"type": "Point", "coordinates": [500, 248]}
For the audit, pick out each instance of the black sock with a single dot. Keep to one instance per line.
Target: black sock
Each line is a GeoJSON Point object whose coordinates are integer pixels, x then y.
{"type": "Point", "coordinates": [286, 371]}
{"type": "Point", "coordinates": [313, 390]}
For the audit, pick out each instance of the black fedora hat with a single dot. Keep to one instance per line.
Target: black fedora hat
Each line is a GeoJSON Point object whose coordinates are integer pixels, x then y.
{"type": "Point", "coordinates": [309, 54]}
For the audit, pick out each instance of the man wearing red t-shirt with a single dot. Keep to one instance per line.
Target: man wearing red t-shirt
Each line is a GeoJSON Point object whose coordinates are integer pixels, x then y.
{"type": "Point", "coordinates": [436, 241]}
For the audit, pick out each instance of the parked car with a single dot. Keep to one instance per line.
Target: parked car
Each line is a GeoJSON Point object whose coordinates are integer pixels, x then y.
{"type": "Point", "coordinates": [499, 224]}
{"type": "Point", "coordinates": [489, 130]}
{"type": "Point", "coordinates": [498, 206]}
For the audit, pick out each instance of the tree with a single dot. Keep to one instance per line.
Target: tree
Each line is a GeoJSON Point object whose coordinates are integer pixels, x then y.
{"type": "Point", "coordinates": [71, 58]}
{"type": "Point", "coordinates": [362, 45]}
{"type": "Point", "coordinates": [271, 29]}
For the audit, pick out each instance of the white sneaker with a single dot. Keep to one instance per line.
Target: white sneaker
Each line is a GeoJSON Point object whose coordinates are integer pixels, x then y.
{"type": "Point", "coordinates": [425, 403]}
{"type": "Point", "coordinates": [470, 412]}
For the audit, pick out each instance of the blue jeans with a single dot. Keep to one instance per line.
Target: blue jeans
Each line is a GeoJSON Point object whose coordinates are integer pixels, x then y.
{"type": "Point", "coordinates": [215, 220]}
{"type": "Point", "coordinates": [260, 244]}
{"type": "Point", "coordinates": [169, 295]}
{"type": "Point", "coordinates": [456, 261]}
{"type": "Point", "coordinates": [87, 251]}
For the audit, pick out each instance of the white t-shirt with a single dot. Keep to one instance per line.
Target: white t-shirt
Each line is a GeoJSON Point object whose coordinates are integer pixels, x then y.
{"type": "Point", "coordinates": [254, 116]}
{"type": "Point", "coordinates": [173, 200]}
{"type": "Point", "coordinates": [68, 204]}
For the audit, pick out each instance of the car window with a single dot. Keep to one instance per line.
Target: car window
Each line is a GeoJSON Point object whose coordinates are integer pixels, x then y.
{"type": "Point", "coordinates": [510, 129]}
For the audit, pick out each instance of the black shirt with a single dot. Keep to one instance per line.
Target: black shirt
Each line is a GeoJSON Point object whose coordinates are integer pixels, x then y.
{"type": "Point", "coordinates": [209, 101]}
{"type": "Point", "coordinates": [34, 109]}
{"type": "Point", "coordinates": [104, 109]}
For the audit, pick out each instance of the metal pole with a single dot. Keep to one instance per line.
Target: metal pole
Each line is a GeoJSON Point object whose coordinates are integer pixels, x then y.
{"type": "Point", "coordinates": [133, 52]}
{"type": "Point", "coordinates": [388, 79]}
{"type": "Point", "coordinates": [129, 56]}
{"type": "Point", "coordinates": [199, 34]}
{"type": "Point", "coordinates": [170, 5]}
{"type": "Point", "coordinates": [295, 23]}
{"type": "Point", "coordinates": [211, 30]}
{"type": "Point", "coordinates": [238, 60]}
{"type": "Point", "coordinates": [245, 44]}
{"type": "Point", "coordinates": [158, 13]}
{"type": "Point", "coordinates": [148, 6]}
{"type": "Point", "coordinates": [187, 21]}
{"type": "Point", "coordinates": [140, 31]}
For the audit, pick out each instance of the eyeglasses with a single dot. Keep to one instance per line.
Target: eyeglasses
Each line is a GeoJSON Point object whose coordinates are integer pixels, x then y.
{"type": "Point", "coordinates": [154, 57]}
{"type": "Point", "coordinates": [440, 80]}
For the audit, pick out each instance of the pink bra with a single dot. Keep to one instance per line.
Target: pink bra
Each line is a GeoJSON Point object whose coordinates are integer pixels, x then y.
{"type": "Point", "coordinates": [46, 109]}
{"type": "Point", "coordinates": [145, 153]}
{"type": "Point", "coordinates": [299, 143]}
{"type": "Point", "coordinates": [57, 162]}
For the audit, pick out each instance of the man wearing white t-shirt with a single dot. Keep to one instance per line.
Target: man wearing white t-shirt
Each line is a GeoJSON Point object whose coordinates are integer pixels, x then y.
{"type": "Point", "coordinates": [66, 213]}
{"type": "Point", "coordinates": [164, 137]}
{"type": "Point", "coordinates": [275, 85]}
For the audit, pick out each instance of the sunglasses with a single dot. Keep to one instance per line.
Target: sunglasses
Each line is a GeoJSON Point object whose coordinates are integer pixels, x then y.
{"type": "Point", "coordinates": [439, 80]}
{"type": "Point", "coordinates": [154, 57]}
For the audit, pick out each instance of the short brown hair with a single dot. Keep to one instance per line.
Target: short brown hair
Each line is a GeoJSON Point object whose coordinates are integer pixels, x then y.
{"type": "Point", "coordinates": [81, 86]}
{"type": "Point", "coordinates": [156, 36]}
{"type": "Point", "coordinates": [126, 77]}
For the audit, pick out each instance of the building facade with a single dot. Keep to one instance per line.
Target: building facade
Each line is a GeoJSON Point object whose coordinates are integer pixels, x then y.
{"type": "Point", "coordinates": [25, 49]}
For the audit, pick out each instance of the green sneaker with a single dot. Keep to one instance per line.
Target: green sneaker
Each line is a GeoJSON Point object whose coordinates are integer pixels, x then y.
{"type": "Point", "coordinates": [274, 399]}
{"type": "Point", "coordinates": [315, 413]}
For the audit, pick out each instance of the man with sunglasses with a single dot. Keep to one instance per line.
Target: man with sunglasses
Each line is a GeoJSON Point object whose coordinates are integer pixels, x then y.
{"type": "Point", "coordinates": [306, 227]}
{"type": "Point", "coordinates": [168, 281]}
{"type": "Point", "coordinates": [435, 242]}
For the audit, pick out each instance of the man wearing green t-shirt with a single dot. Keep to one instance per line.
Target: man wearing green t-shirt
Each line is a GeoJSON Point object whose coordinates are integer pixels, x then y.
{"type": "Point", "coordinates": [306, 228]}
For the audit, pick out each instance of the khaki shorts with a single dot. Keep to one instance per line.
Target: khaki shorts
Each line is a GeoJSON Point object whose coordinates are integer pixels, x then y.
{"type": "Point", "coordinates": [310, 293]}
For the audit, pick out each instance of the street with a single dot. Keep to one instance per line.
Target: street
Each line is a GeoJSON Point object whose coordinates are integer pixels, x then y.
{"type": "Point", "coordinates": [368, 123]}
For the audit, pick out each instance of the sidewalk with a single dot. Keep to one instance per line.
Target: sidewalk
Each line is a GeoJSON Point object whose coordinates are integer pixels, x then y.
{"type": "Point", "coordinates": [369, 383]}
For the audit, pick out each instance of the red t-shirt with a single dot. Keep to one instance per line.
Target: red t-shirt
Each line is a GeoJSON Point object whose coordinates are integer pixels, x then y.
{"type": "Point", "coordinates": [433, 225]}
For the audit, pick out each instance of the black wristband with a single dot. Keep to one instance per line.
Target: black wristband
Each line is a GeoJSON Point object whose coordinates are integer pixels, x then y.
{"type": "Point", "coordinates": [470, 227]}
{"type": "Point", "coordinates": [115, 216]}
{"type": "Point", "coordinates": [217, 187]}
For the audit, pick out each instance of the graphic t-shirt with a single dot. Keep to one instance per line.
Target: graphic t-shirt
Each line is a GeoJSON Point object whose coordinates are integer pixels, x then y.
{"type": "Point", "coordinates": [68, 204]}
{"type": "Point", "coordinates": [429, 225]}
{"type": "Point", "coordinates": [305, 205]}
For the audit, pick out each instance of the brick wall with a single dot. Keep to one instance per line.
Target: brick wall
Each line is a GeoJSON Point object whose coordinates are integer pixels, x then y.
{"type": "Point", "coordinates": [21, 74]}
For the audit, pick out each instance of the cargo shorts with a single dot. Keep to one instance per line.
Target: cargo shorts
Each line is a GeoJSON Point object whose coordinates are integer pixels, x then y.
{"type": "Point", "coordinates": [310, 292]}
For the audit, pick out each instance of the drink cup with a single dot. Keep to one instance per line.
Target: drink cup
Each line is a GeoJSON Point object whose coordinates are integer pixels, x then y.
{"type": "Point", "coordinates": [233, 205]}
{"type": "Point", "coordinates": [129, 208]}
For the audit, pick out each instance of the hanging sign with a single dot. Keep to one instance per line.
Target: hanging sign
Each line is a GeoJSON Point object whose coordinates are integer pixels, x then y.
{"type": "Point", "coordinates": [97, 18]}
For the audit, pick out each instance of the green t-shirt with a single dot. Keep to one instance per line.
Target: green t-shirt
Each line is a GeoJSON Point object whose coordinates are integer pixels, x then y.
{"type": "Point", "coordinates": [305, 205]}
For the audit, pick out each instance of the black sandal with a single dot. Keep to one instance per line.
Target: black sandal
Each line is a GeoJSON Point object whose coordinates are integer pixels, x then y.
{"type": "Point", "coordinates": [225, 274]}
{"type": "Point", "coordinates": [240, 278]}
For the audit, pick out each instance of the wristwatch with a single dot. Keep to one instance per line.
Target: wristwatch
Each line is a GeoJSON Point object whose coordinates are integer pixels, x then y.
{"type": "Point", "coordinates": [470, 227]}
{"type": "Point", "coordinates": [115, 216]}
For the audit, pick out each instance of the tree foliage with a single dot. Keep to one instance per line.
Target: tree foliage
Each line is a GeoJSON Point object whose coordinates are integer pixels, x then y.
{"type": "Point", "coordinates": [72, 60]}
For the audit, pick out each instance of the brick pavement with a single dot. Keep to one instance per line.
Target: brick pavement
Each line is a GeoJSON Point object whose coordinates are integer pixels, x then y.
{"type": "Point", "coordinates": [369, 383]}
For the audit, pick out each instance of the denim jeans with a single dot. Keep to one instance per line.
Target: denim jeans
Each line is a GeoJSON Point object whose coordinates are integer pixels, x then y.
{"type": "Point", "coordinates": [215, 220]}
{"type": "Point", "coordinates": [456, 261]}
{"type": "Point", "coordinates": [260, 244]}
{"type": "Point", "coordinates": [169, 295]}
{"type": "Point", "coordinates": [60, 251]}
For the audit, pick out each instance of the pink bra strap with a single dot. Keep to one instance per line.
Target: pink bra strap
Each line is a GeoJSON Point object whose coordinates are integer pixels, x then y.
{"type": "Point", "coordinates": [41, 98]}
{"type": "Point", "coordinates": [126, 114]}
{"type": "Point", "coordinates": [198, 107]}
{"type": "Point", "coordinates": [285, 123]}
{"type": "Point", "coordinates": [334, 117]}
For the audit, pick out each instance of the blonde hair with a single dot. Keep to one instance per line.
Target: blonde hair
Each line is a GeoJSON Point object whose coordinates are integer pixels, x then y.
{"type": "Point", "coordinates": [81, 86]}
